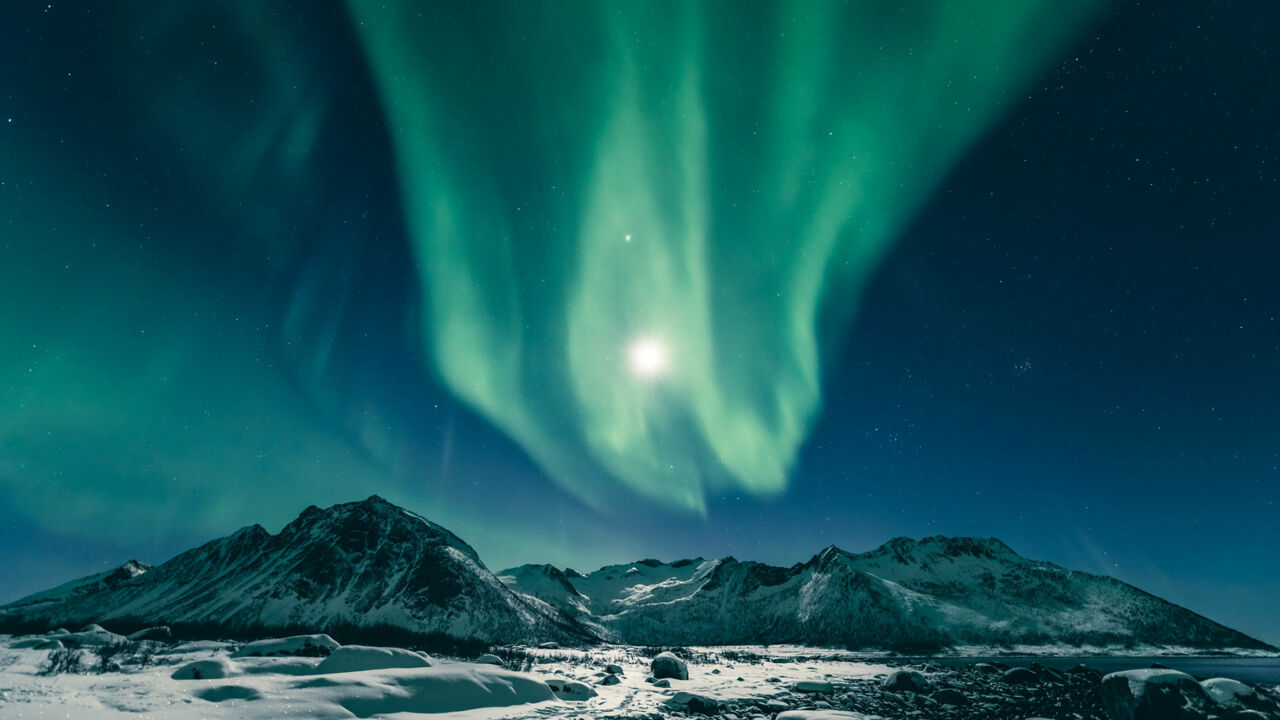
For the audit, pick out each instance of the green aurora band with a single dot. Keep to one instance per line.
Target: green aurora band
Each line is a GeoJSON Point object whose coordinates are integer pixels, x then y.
{"type": "Point", "coordinates": [717, 177]}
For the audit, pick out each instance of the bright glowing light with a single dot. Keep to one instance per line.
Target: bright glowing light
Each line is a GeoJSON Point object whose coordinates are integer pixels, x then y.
{"type": "Point", "coordinates": [648, 357]}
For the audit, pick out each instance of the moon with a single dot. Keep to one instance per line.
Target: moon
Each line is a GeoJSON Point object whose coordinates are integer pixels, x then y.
{"type": "Point", "coordinates": [648, 358]}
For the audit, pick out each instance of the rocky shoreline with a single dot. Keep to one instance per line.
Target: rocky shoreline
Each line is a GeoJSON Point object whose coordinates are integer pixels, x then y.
{"type": "Point", "coordinates": [997, 691]}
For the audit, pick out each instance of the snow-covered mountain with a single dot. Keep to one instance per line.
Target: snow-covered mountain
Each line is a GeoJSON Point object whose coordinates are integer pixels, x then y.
{"type": "Point", "coordinates": [369, 565]}
{"type": "Point", "coordinates": [904, 595]}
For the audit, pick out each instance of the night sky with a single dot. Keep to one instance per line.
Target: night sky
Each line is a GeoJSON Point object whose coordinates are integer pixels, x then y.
{"type": "Point", "coordinates": [589, 281]}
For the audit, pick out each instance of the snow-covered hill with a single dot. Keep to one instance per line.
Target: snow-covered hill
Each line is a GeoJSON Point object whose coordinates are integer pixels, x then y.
{"type": "Point", "coordinates": [905, 595]}
{"type": "Point", "coordinates": [358, 565]}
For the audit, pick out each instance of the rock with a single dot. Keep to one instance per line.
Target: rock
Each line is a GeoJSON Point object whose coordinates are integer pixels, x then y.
{"type": "Point", "coordinates": [987, 668]}
{"type": "Point", "coordinates": [549, 646]}
{"type": "Point", "coordinates": [906, 681]}
{"type": "Point", "coordinates": [613, 669]}
{"type": "Point", "coordinates": [222, 693]}
{"type": "Point", "coordinates": [298, 645]}
{"type": "Point", "coordinates": [667, 665]}
{"type": "Point", "coordinates": [489, 659]}
{"type": "Point", "coordinates": [89, 638]}
{"type": "Point", "coordinates": [693, 703]}
{"type": "Point", "coordinates": [214, 669]}
{"type": "Point", "coordinates": [662, 683]}
{"type": "Point", "coordinates": [610, 679]}
{"type": "Point", "coordinates": [93, 627]}
{"type": "Point", "coordinates": [651, 680]}
{"type": "Point", "coordinates": [570, 689]}
{"type": "Point", "coordinates": [1154, 694]}
{"type": "Point", "coordinates": [1047, 673]}
{"type": "Point", "coordinates": [823, 715]}
{"type": "Point", "coordinates": [1019, 676]}
{"type": "Point", "coordinates": [159, 633]}
{"type": "Point", "coordinates": [1230, 694]}
{"type": "Point", "coordinates": [1235, 695]}
{"type": "Point", "coordinates": [37, 643]}
{"type": "Point", "coordinates": [812, 686]}
{"type": "Point", "coordinates": [947, 696]}
{"type": "Point", "coordinates": [1086, 671]}
{"type": "Point", "coordinates": [355, 658]}
{"type": "Point", "coordinates": [775, 706]}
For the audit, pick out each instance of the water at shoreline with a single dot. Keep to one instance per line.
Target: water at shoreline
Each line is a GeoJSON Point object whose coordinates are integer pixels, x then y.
{"type": "Point", "coordinates": [1257, 670]}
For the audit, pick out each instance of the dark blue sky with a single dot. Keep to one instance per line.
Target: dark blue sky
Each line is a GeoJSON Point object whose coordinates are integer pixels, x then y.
{"type": "Point", "coordinates": [1072, 346]}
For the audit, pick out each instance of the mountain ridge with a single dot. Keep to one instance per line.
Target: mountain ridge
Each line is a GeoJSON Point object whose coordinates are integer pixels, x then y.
{"type": "Point", "coordinates": [928, 594]}
{"type": "Point", "coordinates": [372, 566]}
{"type": "Point", "coordinates": [364, 564]}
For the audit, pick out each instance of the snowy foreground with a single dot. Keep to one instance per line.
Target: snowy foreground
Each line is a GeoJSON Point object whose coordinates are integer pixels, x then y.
{"type": "Point", "coordinates": [312, 676]}
{"type": "Point", "coordinates": [288, 686]}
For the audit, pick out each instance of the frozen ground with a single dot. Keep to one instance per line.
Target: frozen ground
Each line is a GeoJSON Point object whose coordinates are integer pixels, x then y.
{"type": "Point", "coordinates": [283, 687]}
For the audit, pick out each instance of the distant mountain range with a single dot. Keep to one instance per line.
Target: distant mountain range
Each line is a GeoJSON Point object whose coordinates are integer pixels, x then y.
{"type": "Point", "coordinates": [905, 595]}
{"type": "Point", "coordinates": [371, 568]}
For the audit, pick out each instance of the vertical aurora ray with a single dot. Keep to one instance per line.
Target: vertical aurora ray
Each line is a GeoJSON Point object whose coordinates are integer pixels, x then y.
{"type": "Point", "coordinates": [714, 175]}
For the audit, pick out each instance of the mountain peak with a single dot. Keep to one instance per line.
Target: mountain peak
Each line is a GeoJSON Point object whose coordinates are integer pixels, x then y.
{"type": "Point", "coordinates": [377, 502]}
{"type": "Point", "coordinates": [826, 556]}
{"type": "Point", "coordinates": [908, 549]}
{"type": "Point", "coordinates": [372, 518]}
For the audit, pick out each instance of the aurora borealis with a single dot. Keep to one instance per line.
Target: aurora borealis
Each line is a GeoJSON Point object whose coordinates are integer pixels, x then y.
{"type": "Point", "coordinates": [713, 175]}
{"type": "Point", "coordinates": [586, 281]}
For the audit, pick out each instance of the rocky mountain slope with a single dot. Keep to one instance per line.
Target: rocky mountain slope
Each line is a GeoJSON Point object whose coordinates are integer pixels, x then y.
{"type": "Point", "coordinates": [905, 595]}
{"type": "Point", "coordinates": [371, 567]}
{"type": "Point", "coordinates": [358, 565]}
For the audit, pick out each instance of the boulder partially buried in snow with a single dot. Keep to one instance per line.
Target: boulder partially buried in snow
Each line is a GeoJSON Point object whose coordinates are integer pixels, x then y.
{"type": "Point", "coordinates": [449, 688]}
{"type": "Point", "coordinates": [570, 689]}
{"type": "Point", "coordinates": [88, 638]}
{"type": "Point", "coordinates": [489, 659]}
{"type": "Point", "coordinates": [159, 633]}
{"type": "Point", "coordinates": [1235, 695]}
{"type": "Point", "coordinates": [1231, 694]}
{"type": "Point", "coordinates": [667, 665]}
{"type": "Point", "coordinates": [1154, 694]}
{"type": "Point", "coordinates": [354, 658]}
{"type": "Point", "coordinates": [39, 642]}
{"type": "Point", "coordinates": [214, 669]}
{"type": "Point", "coordinates": [305, 645]}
